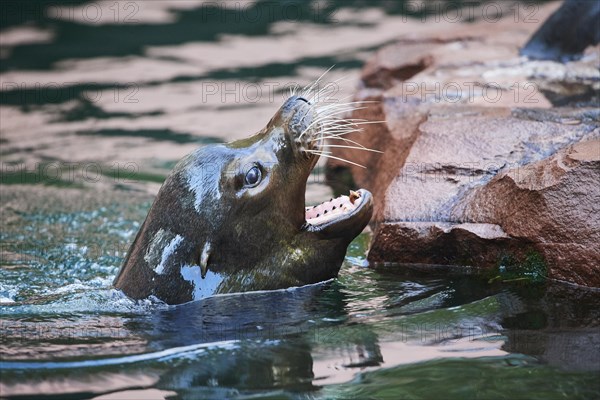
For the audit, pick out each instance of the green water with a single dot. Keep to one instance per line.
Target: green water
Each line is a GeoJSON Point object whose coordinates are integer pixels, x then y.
{"type": "Point", "coordinates": [79, 173]}
{"type": "Point", "coordinates": [381, 334]}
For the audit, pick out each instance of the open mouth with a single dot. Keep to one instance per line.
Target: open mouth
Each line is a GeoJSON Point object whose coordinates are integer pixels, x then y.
{"type": "Point", "coordinates": [311, 126]}
{"type": "Point", "coordinates": [338, 209]}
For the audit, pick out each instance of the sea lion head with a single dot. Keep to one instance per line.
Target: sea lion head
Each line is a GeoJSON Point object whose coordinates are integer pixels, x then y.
{"type": "Point", "coordinates": [232, 217]}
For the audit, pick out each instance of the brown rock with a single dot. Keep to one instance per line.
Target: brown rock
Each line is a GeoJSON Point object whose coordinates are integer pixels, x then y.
{"type": "Point", "coordinates": [477, 188]}
{"type": "Point", "coordinates": [470, 173]}
{"type": "Point", "coordinates": [554, 202]}
{"type": "Point", "coordinates": [390, 64]}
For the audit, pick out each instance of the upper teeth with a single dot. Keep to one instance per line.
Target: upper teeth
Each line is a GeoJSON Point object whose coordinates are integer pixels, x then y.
{"type": "Point", "coordinates": [353, 196]}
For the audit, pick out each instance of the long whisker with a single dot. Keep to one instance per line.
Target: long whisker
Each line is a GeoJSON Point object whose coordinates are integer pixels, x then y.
{"type": "Point", "coordinates": [335, 158]}
{"type": "Point", "coordinates": [337, 101]}
{"type": "Point", "coordinates": [334, 82]}
{"type": "Point", "coordinates": [336, 123]}
{"type": "Point", "coordinates": [344, 110]}
{"type": "Point", "coordinates": [327, 116]}
{"type": "Point", "coordinates": [338, 127]}
{"type": "Point", "coordinates": [340, 138]}
{"type": "Point", "coordinates": [345, 124]}
{"type": "Point", "coordinates": [335, 109]}
{"type": "Point", "coordinates": [326, 109]}
{"type": "Point", "coordinates": [348, 103]}
{"type": "Point", "coordinates": [318, 151]}
{"type": "Point", "coordinates": [351, 147]}
{"type": "Point", "coordinates": [294, 89]}
{"type": "Point", "coordinates": [306, 91]}
{"type": "Point", "coordinates": [342, 105]}
{"type": "Point", "coordinates": [338, 110]}
{"type": "Point", "coordinates": [328, 120]}
{"type": "Point", "coordinates": [338, 130]}
{"type": "Point", "coordinates": [333, 131]}
{"type": "Point", "coordinates": [316, 121]}
{"type": "Point", "coordinates": [317, 96]}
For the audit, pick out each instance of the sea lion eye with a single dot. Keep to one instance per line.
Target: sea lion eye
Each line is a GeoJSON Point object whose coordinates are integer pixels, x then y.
{"type": "Point", "coordinates": [253, 176]}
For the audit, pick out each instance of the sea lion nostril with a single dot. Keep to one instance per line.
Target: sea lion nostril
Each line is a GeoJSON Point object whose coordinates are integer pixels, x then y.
{"type": "Point", "coordinates": [303, 99]}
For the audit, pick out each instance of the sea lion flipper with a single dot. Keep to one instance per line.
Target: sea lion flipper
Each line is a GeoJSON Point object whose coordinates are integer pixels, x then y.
{"type": "Point", "coordinates": [204, 259]}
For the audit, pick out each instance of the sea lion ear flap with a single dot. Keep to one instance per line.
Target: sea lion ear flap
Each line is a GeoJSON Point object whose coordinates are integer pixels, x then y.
{"type": "Point", "coordinates": [204, 258]}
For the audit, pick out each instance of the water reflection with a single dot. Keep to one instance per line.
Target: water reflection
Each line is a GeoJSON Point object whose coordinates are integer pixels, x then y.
{"type": "Point", "coordinates": [305, 339]}
{"type": "Point", "coordinates": [558, 327]}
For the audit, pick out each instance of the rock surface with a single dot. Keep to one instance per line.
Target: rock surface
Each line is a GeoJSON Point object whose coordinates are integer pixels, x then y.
{"type": "Point", "coordinates": [487, 155]}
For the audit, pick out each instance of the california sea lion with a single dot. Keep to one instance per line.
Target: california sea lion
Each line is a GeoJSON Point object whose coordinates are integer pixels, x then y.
{"type": "Point", "coordinates": [232, 217]}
